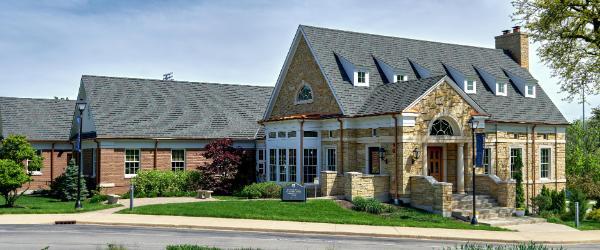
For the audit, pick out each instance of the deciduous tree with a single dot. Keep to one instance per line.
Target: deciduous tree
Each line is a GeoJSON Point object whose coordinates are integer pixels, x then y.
{"type": "Point", "coordinates": [223, 167]}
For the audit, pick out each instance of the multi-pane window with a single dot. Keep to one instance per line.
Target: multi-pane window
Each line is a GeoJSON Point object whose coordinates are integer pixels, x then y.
{"type": "Point", "coordinates": [487, 157]}
{"type": "Point", "coordinates": [272, 164]}
{"type": "Point", "coordinates": [177, 159]}
{"type": "Point", "coordinates": [281, 134]}
{"type": "Point", "coordinates": [470, 86]}
{"type": "Point", "coordinates": [282, 165]}
{"type": "Point", "coordinates": [311, 134]}
{"type": "Point", "coordinates": [401, 78]}
{"type": "Point", "coordinates": [514, 154]}
{"type": "Point", "coordinates": [545, 163]}
{"type": "Point", "coordinates": [441, 127]}
{"type": "Point", "coordinates": [305, 94]}
{"type": "Point", "coordinates": [260, 167]}
{"type": "Point", "coordinates": [530, 90]}
{"type": "Point", "coordinates": [292, 164]}
{"type": "Point", "coordinates": [331, 159]}
{"type": "Point", "coordinates": [272, 135]}
{"type": "Point", "coordinates": [132, 161]}
{"type": "Point", "coordinates": [501, 88]}
{"type": "Point", "coordinates": [310, 165]}
{"type": "Point", "coordinates": [291, 134]}
{"type": "Point", "coordinates": [362, 77]}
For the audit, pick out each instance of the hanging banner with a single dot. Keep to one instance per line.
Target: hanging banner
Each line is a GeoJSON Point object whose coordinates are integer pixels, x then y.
{"type": "Point", "coordinates": [479, 147]}
{"type": "Point", "coordinates": [77, 146]}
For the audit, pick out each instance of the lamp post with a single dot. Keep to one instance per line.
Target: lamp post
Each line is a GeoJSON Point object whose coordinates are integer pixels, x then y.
{"type": "Point", "coordinates": [473, 124]}
{"type": "Point", "coordinates": [80, 105]}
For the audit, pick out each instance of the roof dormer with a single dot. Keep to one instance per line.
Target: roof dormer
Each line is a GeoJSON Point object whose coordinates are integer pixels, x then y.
{"type": "Point", "coordinates": [392, 74]}
{"type": "Point", "coordinates": [358, 76]}
{"type": "Point", "coordinates": [421, 71]}
{"type": "Point", "coordinates": [498, 86]}
{"type": "Point", "coordinates": [527, 88]}
{"type": "Point", "coordinates": [466, 83]}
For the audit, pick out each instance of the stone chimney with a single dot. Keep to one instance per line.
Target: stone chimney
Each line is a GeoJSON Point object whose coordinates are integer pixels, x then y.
{"type": "Point", "coordinates": [515, 44]}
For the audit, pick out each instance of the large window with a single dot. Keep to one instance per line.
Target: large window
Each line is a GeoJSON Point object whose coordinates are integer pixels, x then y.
{"type": "Point", "coordinates": [310, 165]}
{"type": "Point", "coordinates": [330, 159]}
{"type": "Point", "coordinates": [282, 165]}
{"type": "Point", "coordinates": [272, 164]}
{"type": "Point", "coordinates": [487, 159]}
{"type": "Point", "coordinates": [132, 161]}
{"type": "Point", "coordinates": [441, 127]}
{"type": "Point", "coordinates": [260, 164]}
{"type": "Point", "coordinates": [514, 154]}
{"type": "Point", "coordinates": [545, 163]}
{"type": "Point", "coordinates": [292, 164]}
{"type": "Point", "coordinates": [177, 159]}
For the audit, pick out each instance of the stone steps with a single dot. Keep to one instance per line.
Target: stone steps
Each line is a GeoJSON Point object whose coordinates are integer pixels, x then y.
{"type": "Point", "coordinates": [487, 207]}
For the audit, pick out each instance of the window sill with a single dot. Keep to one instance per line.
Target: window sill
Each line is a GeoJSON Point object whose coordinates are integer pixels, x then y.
{"type": "Point", "coordinates": [129, 176]}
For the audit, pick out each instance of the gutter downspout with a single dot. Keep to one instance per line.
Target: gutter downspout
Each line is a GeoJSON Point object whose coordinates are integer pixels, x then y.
{"type": "Point", "coordinates": [341, 146]}
{"type": "Point", "coordinates": [52, 163]}
{"type": "Point", "coordinates": [527, 169]}
{"type": "Point", "coordinates": [555, 158]}
{"type": "Point", "coordinates": [155, 152]}
{"type": "Point", "coordinates": [395, 159]}
{"type": "Point", "coordinates": [533, 193]}
{"type": "Point", "coordinates": [302, 151]}
{"type": "Point", "coordinates": [496, 150]}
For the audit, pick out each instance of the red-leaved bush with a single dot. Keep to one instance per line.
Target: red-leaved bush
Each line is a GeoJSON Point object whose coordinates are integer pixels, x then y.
{"type": "Point", "coordinates": [224, 162]}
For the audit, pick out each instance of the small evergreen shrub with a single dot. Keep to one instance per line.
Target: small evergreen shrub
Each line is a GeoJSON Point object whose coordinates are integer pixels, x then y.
{"type": "Point", "coordinates": [594, 215]}
{"type": "Point", "coordinates": [64, 186]}
{"type": "Point", "coordinates": [166, 183]}
{"type": "Point", "coordinates": [577, 196]}
{"type": "Point", "coordinates": [550, 201]}
{"type": "Point", "coordinates": [261, 190]}
{"type": "Point", "coordinates": [370, 205]}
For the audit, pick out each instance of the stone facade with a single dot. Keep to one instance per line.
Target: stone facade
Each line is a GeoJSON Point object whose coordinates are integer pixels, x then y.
{"type": "Point", "coordinates": [302, 70]}
{"type": "Point", "coordinates": [431, 195]}
{"type": "Point", "coordinates": [372, 186]}
{"type": "Point", "coordinates": [332, 184]}
{"type": "Point", "coordinates": [502, 191]}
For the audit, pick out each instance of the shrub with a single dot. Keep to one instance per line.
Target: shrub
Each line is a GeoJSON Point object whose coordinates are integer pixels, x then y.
{"type": "Point", "coordinates": [370, 205]}
{"type": "Point", "coordinates": [550, 201]}
{"type": "Point", "coordinates": [166, 183]}
{"type": "Point", "coordinates": [518, 176]}
{"type": "Point", "coordinates": [261, 190]}
{"type": "Point", "coordinates": [222, 167]}
{"type": "Point", "coordinates": [12, 177]}
{"type": "Point", "coordinates": [577, 196]}
{"type": "Point", "coordinates": [64, 186]}
{"type": "Point", "coordinates": [98, 197]}
{"type": "Point", "coordinates": [594, 215]}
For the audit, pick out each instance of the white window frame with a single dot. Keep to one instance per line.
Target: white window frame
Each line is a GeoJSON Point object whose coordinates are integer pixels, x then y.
{"type": "Point", "coordinates": [400, 78]}
{"type": "Point", "coordinates": [505, 92]}
{"type": "Point", "coordinates": [356, 78]}
{"type": "Point", "coordinates": [527, 87]}
{"type": "Point", "coordinates": [139, 162]}
{"type": "Point", "coordinates": [488, 169]}
{"type": "Point", "coordinates": [184, 158]}
{"type": "Point", "coordinates": [262, 161]}
{"type": "Point", "coordinates": [326, 158]}
{"type": "Point", "coordinates": [549, 163]}
{"type": "Point", "coordinates": [305, 166]}
{"type": "Point", "coordinates": [38, 152]}
{"type": "Point", "coordinates": [510, 171]}
{"type": "Point", "coordinates": [466, 87]}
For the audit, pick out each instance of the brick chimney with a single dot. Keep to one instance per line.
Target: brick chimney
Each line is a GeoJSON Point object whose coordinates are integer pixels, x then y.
{"type": "Point", "coordinates": [515, 44]}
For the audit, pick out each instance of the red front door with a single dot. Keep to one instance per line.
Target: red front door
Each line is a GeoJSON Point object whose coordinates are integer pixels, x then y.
{"type": "Point", "coordinates": [435, 166]}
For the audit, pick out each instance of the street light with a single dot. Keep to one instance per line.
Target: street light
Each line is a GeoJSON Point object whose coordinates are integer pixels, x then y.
{"type": "Point", "coordinates": [473, 124]}
{"type": "Point", "coordinates": [80, 105]}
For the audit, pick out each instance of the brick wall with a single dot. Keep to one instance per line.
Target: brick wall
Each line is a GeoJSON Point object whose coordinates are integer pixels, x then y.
{"type": "Point", "coordinates": [61, 160]}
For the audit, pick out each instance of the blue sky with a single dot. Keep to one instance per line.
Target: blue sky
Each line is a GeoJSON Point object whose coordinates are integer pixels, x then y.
{"type": "Point", "coordinates": [45, 46]}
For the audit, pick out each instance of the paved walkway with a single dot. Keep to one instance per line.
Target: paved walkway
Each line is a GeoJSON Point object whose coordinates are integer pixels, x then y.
{"type": "Point", "coordinates": [543, 233]}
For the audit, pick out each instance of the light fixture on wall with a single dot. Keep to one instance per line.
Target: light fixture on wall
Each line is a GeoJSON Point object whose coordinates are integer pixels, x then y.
{"type": "Point", "coordinates": [416, 154]}
{"type": "Point", "coordinates": [382, 154]}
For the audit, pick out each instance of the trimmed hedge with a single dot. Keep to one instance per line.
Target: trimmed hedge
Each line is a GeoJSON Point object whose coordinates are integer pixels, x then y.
{"type": "Point", "coordinates": [261, 190]}
{"type": "Point", "coordinates": [166, 183]}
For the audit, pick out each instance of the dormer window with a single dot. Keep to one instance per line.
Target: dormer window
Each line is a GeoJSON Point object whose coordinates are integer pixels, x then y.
{"type": "Point", "coordinates": [305, 95]}
{"type": "Point", "coordinates": [470, 87]}
{"type": "Point", "coordinates": [361, 77]}
{"type": "Point", "coordinates": [530, 91]}
{"type": "Point", "coordinates": [501, 89]}
{"type": "Point", "coordinates": [401, 78]}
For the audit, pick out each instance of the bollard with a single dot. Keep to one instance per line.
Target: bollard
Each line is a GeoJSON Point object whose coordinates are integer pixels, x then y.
{"type": "Point", "coordinates": [131, 188]}
{"type": "Point", "coordinates": [576, 214]}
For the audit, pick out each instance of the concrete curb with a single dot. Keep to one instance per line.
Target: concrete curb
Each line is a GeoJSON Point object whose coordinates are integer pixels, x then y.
{"type": "Point", "coordinates": [293, 231]}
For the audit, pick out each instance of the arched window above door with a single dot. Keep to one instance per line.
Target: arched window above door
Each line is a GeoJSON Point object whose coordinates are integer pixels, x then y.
{"type": "Point", "coordinates": [441, 127]}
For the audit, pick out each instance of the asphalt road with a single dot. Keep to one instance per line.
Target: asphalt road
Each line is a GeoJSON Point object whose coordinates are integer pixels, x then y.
{"type": "Point", "coordinates": [98, 237]}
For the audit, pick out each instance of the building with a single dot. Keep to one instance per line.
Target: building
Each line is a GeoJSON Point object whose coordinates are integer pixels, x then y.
{"type": "Point", "coordinates": [132, 124]}
{"type": "Point", "coordinates": [46, 124]}
{"type": "Point", "coordinates": [387, 117]}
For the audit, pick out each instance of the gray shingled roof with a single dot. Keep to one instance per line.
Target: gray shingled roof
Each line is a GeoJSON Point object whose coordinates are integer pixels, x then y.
{"type": "Point", "coordinates": [38, 119]}
{"type": "Point", "coordinates": [145, 108]}
{"type": "Point", "coordinates": [361, 48]}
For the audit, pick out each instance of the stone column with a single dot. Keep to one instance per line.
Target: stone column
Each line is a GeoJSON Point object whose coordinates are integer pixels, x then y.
{"type": "Point", "coordinates": [460, 169]}
{"type": "Point", "coordinates": [425, 159]}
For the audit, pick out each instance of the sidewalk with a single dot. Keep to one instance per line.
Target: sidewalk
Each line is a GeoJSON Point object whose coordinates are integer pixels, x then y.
{"type": "Point", "coordinates": [542, 233]}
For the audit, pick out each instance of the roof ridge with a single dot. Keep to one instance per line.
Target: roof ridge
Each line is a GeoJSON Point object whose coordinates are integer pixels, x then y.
{"type": "Point", "coordinates": [174, 81]}
{"type": "Point", "coordinates": [34, 98]}
{"type": "Point", "coordinates": [396, 37]}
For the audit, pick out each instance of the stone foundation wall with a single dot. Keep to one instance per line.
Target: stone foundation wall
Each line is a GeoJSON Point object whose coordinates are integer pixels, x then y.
{"type": "Point", "coordinates": [502, 191]}
{"type": "Point", "coordinates": [332, 184]}
{"type": "Point", "coordinates": [431, 195]}
{"type": "Point", "coordinates": [373, 186]}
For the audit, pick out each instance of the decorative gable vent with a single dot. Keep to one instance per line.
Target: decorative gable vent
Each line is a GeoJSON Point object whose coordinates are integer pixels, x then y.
{"type": "Point", "coordinates": [498, 87]}
{"type": "Point", "coordinates": [421, 71]}
{"type": "Point", "coordinates": [359, 76]}
{"type": "Point", "coordinates": [526, 88]}
{"type": "Point", "coordinates": [467, 84]}
{"type": "Point", "coordinates": [391, 74]}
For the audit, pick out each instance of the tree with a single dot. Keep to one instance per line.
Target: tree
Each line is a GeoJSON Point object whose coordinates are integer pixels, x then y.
{"type": "Point", "coordinates": [223, 167]}
{"type": "Point", "coordinates": [12, 177]}
{"type": "Point", "coordinates": [18, 149]}
{"type": "Point", "coordinates": [518, 176]}
{"type": "Point", "coordinates": [569, 34]}
{"type": "Point", "coordinates": [64, 186]}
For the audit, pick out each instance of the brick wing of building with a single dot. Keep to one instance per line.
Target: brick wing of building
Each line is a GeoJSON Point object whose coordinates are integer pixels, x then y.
{"type": "Point", "coordinates": [387, 117]}
{"type": "Point", "coordinates": [46, 124]}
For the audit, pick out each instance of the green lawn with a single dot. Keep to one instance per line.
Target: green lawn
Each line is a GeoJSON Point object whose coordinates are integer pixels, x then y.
{"type": "Point", "coordinates": [583, 225]}
{"type": "Point", "coordinates": [326, 211]}
{"type": "Point", "coordinates": [34, 204]}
